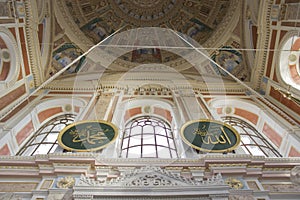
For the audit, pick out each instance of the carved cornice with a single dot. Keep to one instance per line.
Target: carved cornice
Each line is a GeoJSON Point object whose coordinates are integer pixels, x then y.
{"type": "Point", "coordinates": [227, 87]}
{"type": "Point", "coordinates": [264, 33]}
{"type": "Point", "coordinates": [71, 29]}
{"type": "Point", "coordinates": [72, 159]}
{"type": "Point", "coordinates": [150, 176]}
{"type": "Point", "coordinates": [224, 29]}
{"type": "Point", "coordinates": [31, 29]}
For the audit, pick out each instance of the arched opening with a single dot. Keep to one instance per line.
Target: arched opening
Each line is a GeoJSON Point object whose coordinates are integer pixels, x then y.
{"type": "Point", "coordinates": [44, 141]}
{"type": "Point", "coordinates": [148, 137]}
{"type": "Point", "coordinates": [289, 62]}
{"type": "Point", "coordinates": [252, 142]}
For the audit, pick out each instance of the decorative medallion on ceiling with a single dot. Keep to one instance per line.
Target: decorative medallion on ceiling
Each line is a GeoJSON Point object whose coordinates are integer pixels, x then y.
{"type": "Point", "coordinates": [99, 18]}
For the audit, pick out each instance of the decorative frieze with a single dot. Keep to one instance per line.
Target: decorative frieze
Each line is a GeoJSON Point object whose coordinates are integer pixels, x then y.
{"type": "Point", "coordinates": [150, 176]}
{"type": "Point", "coordinates": [282, 188]}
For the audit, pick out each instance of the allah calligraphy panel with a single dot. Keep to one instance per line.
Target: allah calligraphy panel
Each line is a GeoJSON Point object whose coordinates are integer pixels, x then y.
{"type": "Point", "coordinates": [210, 136]}
{"type": "Point", "coordinates": [87, 136]}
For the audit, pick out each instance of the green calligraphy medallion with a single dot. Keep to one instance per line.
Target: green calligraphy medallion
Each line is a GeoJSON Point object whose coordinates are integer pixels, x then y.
{"type": "Point", "coordinates": [210, 136]}
{"type": "Point", "coordinates": [87, 135]}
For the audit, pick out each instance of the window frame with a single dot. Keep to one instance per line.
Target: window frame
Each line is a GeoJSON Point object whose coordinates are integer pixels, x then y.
{"type": "Point", "coordinates": [65, 120]}
{"type": "Point", "coordinates": [161, 129]}
{"type": "Point", "coordinates": [263, 147]}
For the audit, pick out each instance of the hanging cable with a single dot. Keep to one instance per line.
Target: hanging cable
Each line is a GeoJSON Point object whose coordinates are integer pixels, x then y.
{"type": "Point", "coordinates": [59, 73]}
{"type": "Point", "coordinates": [236, 79]}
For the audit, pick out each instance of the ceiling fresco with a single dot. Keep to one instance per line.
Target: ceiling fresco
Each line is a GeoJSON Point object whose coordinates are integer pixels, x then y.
{"type": "Point", "coordinates": [99, 18]}
{"type": "Point", "coordinates": [203, 21]}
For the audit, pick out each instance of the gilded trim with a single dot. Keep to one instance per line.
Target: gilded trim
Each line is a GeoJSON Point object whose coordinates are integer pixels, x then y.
{"type": "Point", "coordinates": [211, 121]}
{"type": "Point", "coordinates": [59, 138]}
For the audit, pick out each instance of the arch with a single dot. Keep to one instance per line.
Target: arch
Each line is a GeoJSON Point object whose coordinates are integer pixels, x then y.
{"type": "Point", "coordinates": [289, 60]}
{"type": "Point", "coordinates": [252, 142]}
{"type": "Point", "coordinates": [45, 29]}
{"type": "Point", "coordinates": [117, 46]}
{"type": "Point", "coordinates": [148, 137]}
{"type": "Point", "coordinates": [251, 113]}
{"type": "Point", "coordinates": [41, 114]}
{"type": "Point", "coordinates": [162, 109]}
{"type": "Point", "coordinates": [44, 141]}
{"type": "Point", "coordinates": [50, 108]}
{"type": "Point", "coordinates": [10, 60]}
{"type": "Point", "coordinates": [177, 43]}
{"type": "Point", "coordinates": [243, 109]}
{"type": "Point", "coordinates": [132, 108]}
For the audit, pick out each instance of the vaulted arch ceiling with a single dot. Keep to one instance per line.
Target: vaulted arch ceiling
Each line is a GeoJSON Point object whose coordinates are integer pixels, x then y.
{"type": "Point", "coordinates": [197, 19]}
{"type": "Point", "coordinates": [212, 24]}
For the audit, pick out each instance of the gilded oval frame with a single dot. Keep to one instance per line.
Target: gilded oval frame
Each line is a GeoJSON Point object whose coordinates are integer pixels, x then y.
{"type": "Point", "coordinates": [62, 132]}
{"type": "Point", "coordinates": [237, 135]}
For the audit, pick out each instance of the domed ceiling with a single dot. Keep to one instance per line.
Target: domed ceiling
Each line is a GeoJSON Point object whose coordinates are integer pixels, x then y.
{"type": "Point", "coordinates": [199, 19]}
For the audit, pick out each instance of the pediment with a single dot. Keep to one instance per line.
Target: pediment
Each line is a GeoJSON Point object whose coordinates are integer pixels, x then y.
{"type": "Point", "coordinates": [154, 177]}
{"type": "Point", "coordinates": [151, 177]}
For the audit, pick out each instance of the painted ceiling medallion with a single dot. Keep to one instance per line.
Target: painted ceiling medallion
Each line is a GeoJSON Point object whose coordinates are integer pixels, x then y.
{"type": "Point", "coordinates": [197, 19]}
{"type": "Point", "coordinates": [138, 11]}
{"type": "Point", "coordinates": [149, 3]}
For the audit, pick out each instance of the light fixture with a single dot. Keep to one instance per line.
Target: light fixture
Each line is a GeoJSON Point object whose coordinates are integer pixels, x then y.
{"type": "Point", "coordinates": [288, 95]}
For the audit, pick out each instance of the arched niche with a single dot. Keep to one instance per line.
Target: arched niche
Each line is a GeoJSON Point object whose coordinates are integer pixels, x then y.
{"type": "Point", "coordinates": [25, 125]}
{"type": "Point", "coordinates": [274, 128]}
{"type": "Point", "coordinates": [288, 61]}
{"type": "Point", "coordinates": [9, 59]}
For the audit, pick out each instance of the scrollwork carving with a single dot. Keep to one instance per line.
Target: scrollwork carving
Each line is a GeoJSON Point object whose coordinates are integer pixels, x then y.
{"type": "Point", "coordinates": [66, 182]}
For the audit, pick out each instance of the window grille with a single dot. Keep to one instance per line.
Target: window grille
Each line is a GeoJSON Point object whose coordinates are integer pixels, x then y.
{"type": "Point", "coordinates": [148, 137]}
{"type": "Point", "coordinates": [252, 142]}
{"type": "Point", "coordinates": [44, 141]}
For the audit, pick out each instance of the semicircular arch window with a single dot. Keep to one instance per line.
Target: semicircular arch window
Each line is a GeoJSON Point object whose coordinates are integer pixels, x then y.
{"type": "Point", "coordinates": [290, 62]}
{"type": "Point", "coordinates": [148, 137]}
{"type": "Point", "coordinates": [252, 141]}
{"type": "Point", "coordinates": [9, 59]}
{"type": "Point", "coordinates": [44, 141]}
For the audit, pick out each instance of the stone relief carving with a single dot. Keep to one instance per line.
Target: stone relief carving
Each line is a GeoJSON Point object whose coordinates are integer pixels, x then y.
{"type": "Point", "coordinates": [151, 180]}
{"type": "Point", "coordinates": [150, 177]}
{"type": "Point", "coordinates": [66, 182]}
{"type": "Point", "coordinates": [282, 188]}
{"type": "Point", "coordinates": [234, 183]}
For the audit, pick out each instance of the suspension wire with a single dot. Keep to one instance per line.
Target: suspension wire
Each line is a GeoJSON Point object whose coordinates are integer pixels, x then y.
{"type": "Point", "coordinates": [236, 79]}
{"type": "Point", "coordinates": [60, 72]}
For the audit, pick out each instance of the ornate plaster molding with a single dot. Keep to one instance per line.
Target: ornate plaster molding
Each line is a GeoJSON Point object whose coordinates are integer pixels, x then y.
{"type": "Point", "coordinates": [69, 26]}
{"type": "Point", "coordinates": [225, 27]}
{"type": "Point", "coordinates": [13, 58]}
{"type": "Point", "coordinates": [32, 44]}
{"type": "Point", "coordinates": [264, 33]}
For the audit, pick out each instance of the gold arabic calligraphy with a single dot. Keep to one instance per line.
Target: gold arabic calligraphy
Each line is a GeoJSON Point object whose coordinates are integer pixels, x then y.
{"type": "Point", "coordinates": [90, 135]}
{"type": "Point", "coordinates": [212, 137]}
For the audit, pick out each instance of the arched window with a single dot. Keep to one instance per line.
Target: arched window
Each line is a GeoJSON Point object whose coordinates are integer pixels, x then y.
{"type": "Point", "coordinates": [252, 142]}
{"type": "Point", "coordinates": [148, 137]}
{"type": "Point", "coordinates": [44, 141]}
{"type": "Point", "coordinates": [289, 61]}
{"type": "Point", "coordinates": [9, 59]}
